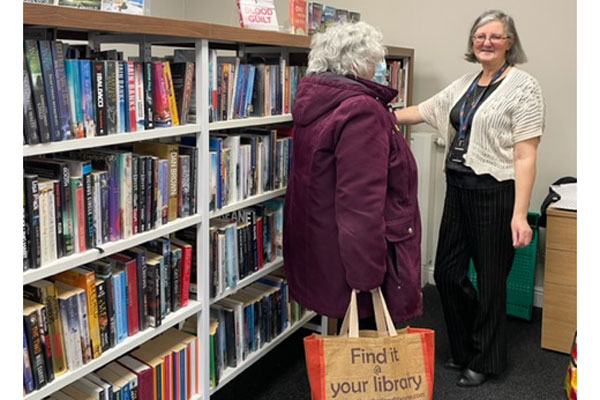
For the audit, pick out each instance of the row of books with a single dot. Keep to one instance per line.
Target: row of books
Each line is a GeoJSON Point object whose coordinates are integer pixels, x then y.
{"type": "Point", "coordinates": [258, 86]}
{"type": "Point", "coordinates": [166, 367]}
{"type": "Point", "coordinates": [248, 164]}
{"type": "Point", "coordinates": [242, 242]}
{"type": "Point", "coordinates": [244, 322]}
{"type": "Point", "coordinates": [73, 93]}
{"type": "Point", "coordinates": [321, 16]}
{"type": "Point", "coordinates": [91, 197]}
{"type": "Point", "coordinates": [129, 6]}
{"type": "Point", "coordinates": [397, 71]}
{"type": "Point", "coordinates": [77, 315]}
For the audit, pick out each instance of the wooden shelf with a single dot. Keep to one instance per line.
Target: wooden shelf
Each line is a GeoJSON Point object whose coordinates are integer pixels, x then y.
{"type": "Point", "coordinates": [250, 201]}
{"type": "Point", "coordinates": [108, 140]}
{"type": "Point", "coordinates": [253, 277]}
{"type": "Point", "coordinates": [230, 373]}
{"type": "Point", "coordinates": [74, 260]}
{"type": "Point", "coordinates": [122, 348]}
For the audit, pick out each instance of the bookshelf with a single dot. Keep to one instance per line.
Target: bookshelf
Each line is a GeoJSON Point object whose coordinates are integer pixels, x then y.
{"type": "Point", "coordinates": [64, 23]}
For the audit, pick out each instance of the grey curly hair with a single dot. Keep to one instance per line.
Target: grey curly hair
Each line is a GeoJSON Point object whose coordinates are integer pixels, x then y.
{"type": "Point", "coordinates": [346, 49]}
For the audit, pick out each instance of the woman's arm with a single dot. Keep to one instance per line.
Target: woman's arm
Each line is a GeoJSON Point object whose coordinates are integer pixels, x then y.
{"type": "Point", "coordinates": [409, 115]}
{"type": "Point", "coordinates": [525, 155]}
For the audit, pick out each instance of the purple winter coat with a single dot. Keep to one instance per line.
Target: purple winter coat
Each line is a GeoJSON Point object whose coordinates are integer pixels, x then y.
{"type": "Point", "coordinates": [351, 217]}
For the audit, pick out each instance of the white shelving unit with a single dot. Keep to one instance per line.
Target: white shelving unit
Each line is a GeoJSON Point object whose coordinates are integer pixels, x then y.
{"type": "Point", "coordinates": [74, 260]}
{"type": "Point", "coordinates": [108, 140]}
{"type": "Point", "coordinates": [127, 345]}
{"type": "Point", "coordinates": [250, 201]}
{"type": "Point", "coordinates": [103, 27]}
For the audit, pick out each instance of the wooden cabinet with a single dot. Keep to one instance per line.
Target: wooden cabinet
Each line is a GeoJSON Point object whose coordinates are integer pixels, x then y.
{"type": "Point", "coordinates": [559, 315]}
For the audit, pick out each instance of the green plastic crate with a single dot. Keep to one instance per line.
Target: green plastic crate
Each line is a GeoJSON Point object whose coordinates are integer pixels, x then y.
{"type": "Point", "coordinates": [521, 280]}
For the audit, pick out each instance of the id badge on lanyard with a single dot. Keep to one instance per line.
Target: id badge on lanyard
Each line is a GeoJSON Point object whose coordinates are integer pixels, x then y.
{"type": "Point", "coordinates": [458, 152]}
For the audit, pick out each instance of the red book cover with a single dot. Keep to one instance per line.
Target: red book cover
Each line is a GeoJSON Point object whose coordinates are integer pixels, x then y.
{"type": "Point", "coordinates": [129, 264]}
{"type": "Point", "coordinates": [162, 113]}
{"type": "Point", "coordinates": [259, 239]}
{"type": "Point", "coordinates": [186, 268]}
{"type": "Point", "coordinates": [131, 96]}
{"type": "Point", "coordinates": [169, 377]}
{"type": "Point", "coordinates": [143, 373]}
{"type": "Point", "coordinates": [79, 198]}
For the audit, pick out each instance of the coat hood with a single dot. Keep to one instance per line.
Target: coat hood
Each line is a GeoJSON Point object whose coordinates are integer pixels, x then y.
{"type": "Point", "coordinates": [318, 95]}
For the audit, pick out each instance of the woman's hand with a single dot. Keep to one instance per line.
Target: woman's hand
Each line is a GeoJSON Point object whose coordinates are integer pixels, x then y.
{"type": "Point", "coordinates": [521, 231]}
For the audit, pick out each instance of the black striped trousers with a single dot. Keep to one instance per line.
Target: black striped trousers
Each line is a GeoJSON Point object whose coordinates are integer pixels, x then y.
{"type": "Point", "coordinates": [476, 224]}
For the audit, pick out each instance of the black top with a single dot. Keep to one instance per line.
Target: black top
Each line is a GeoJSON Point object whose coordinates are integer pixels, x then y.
{"type": "Point", "coordinates": [459, 174]}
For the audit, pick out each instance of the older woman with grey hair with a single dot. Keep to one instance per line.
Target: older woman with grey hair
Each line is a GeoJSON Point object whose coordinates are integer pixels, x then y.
{"type": "Point", "coordinates": [492, 121]}
{"type": "Point", "coordinates": [351, 218]}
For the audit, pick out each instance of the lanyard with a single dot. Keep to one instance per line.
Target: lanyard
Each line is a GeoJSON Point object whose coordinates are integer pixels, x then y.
{"type": "Point", "coordinates": [465, 121]}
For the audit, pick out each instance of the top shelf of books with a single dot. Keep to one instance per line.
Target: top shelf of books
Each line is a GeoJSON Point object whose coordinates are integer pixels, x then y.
{"type": "Point", "coordinates": [73, 19]}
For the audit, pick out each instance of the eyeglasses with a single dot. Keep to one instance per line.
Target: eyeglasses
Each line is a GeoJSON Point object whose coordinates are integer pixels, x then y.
{"type": "Point", "coordinates": [495, 39]}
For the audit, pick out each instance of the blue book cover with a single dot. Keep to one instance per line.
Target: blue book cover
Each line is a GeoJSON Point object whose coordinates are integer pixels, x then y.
{"type": "Point", "coordinates": [124, 302]}
{"type": "Point", "coordinates": [163, 189]}
{"type": "Point", "coordinates": [120, 310]}
{"type": "Point", "coordinates": [27, 374]}
{"type": "Point", "coordinates": [241, 101]}
{"type": "Point", "coordinates": [231, 246]}
{"type": "Point", "coordinates": [64, 115]}
{"type": "Point", "coordinates": [74, 89]}
{"type": "Point", "coordinates": [122, 104]}
{"type": "Point", "coordinates": [216, 145]}
{"type": "Point", "coordinates": [182, 374]}
{"type": "Point", "coordinates": [87, 98]}
{"type": "Point", "coordinates": [249, 90]}
{"type": "Point", "coordinates": [213, 188]}
{"type": "Point", "coordinates": [126, 392]}
{"type": "Point", "coordinates": [50, 89]}
{"type": "Point", "coordinates": [238, 90]}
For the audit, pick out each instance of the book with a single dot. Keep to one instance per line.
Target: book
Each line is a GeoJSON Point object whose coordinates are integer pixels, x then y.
{"type": "Point", "coordinates": [35, 340]}
{"type": "Point", "coordinates": [186, 267]}
{"type": "Point", "coordinates": [87, 98]}
{"type": "Point", "coordinates": [258, 14]}
{"type": "Point", "coordinates": [182, 75]}
{"type": "Point", "coordinates": [129, 265]}
{"type": "Point", "coordinates": [170, 93]}
{"type": "Point", "coordinates": [315, 13]}
{"type": "Point", "coordinates": [148, 95]}
{"type": "Point", "coordinates": [44, 292]}
{"type": "Point", "coordinates": [112, 97]}
{"type": "Point", "coordinates": [103, 321]}
{"type": "Point", "coordinates": [36, 81]}
{"type": "Point", "coordinates": [99, 85]}
{"type": "Point", "coordinates": [161, 110]}
{"type": "Point", "coordinates": [86, 280]}
{"type": "Point", "coordinates": [183, 194]}
{"type": "Point", "coordinates": [30, 125]}
{"type": "Point", "coordinates": [103, 270]}
{"type": "Point", "coordinates": [74, 90]}
{"type": "Point", "coordinates": [50, 89]}
{"type": "Point", "coordinates": [169, 152]}
{"type": "Point", "coordinates": [66, 120]}
{"type": "Point", "coordinates": [28, 382]}
{"type": "Point", "coordinates": [33, 219]}
{"type": "Point", "coordinates": [127, 375]}
{"type": "Point", "coordinates": [69, 317]}
{"type": "Point", "coordinates": [139, 253]}
{"type": "Point", "coordinates": [143, 373]}
{"type": "Point", "coordinates": [48, 232]}
{"type": "Point", "coordinates": [297, 10]}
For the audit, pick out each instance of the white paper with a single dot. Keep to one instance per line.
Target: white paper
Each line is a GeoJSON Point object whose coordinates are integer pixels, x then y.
{"type": "Point", "coordinates": [568, 196]}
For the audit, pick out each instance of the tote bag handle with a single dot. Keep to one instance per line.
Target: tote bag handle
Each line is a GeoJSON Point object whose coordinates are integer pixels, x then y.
{"type": "Point", "coordinates": [383, 320]}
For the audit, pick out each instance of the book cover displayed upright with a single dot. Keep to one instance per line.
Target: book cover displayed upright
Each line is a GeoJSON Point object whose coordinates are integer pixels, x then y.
{"type": "Point", "coordinates": [258, 14]}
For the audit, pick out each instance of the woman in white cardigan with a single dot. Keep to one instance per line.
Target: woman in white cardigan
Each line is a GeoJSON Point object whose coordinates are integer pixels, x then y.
{"type": "Point", "coordinates": [492, 121]}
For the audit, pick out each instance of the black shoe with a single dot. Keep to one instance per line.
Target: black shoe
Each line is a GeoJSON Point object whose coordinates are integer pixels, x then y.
{"type": "Point", "coordinates": [470, 378]}
{"type": "Point", "coordinates": [450, 364]}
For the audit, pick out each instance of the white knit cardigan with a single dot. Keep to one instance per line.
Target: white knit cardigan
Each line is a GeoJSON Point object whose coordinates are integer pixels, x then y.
{"type": "Point", "coordinates": [512, 113]}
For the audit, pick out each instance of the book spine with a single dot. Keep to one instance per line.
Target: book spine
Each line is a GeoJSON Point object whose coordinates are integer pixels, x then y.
{"type": "Point", "coordinates": [50, 89]}
{"type": "Point", "coordinates": [134, 195]}
{"type": "Point", "coordinates": [52, 239]}
{"type": "Point", "coordinates": [104, 206]}
{"type": "Point", "coordinates": [64, 114]}
{"type": "Point", "coordinates": [99, 69]}
{"type": "Point", "coordinates": [88, 204]}
{"type": "Point", "coordinates": [26, 237]}
{"type": "Point", "coordinates": [173, 187]}
{"type": "Point", "coordinates": [184, 186]}
{"type": "Point", "coordinates": [142, 160]}
{"type": "Point", "coordinates": [77, 202]}
{"type": "Point", "coordinates": [112, 99]}
{"type": "Point", "coordinates": [114, 212]}
{"type": "Point", "coordinates": [78, 347]}
{"type": "Point", "coordinates": [121, 330]}
{"type": "Point", "coordinates": [74, 86]}
{"type": "Point", "coordinates": [60, 240]}
{"type": "Point", "coordinates": [133, 324]}
{"type": "Point", "coordinates": [37, 86]}
{"type": "Point", "coordinates": [176, 279]}
{"type": "Point", "coordinates": [28, 381]}
{"type": "Point", "coordinates": [36, 356]}
{"type": "Point", "coordinates": [84, 327]}
{"type": "Point", "coordinates": [110, 309]}
{"type": "Point", "coordinates": [96, 210]}
{"type": "Point", "coordinates": [162, 202]}
{"type": "Point", "coordinates": [87, 98]}
{"type": "Point", "coordinates": [29, 119]}
{"type": "Point", "coordinates": [122, 105]}
{"type": "Point", "coordinates": [131, 101]}
{"type": "Point", "coordinates": [103, 323]}
{"type": "Point", "coordinates": [142, 290]}
{"type": "Point", "coordinates": [156, 203]}
{"type": "Point", "coordinates": [162, 115]}
{"type": "Point", "coordinates": [139, 97]}
{"type": "Point", "coordinates": [70, 354]}
{"type": "Point", "coordinates": [154, 300]}
{"type": "Point", "coordinates": [186, 269]}
{"type": "Point", "coordinates": [170, 92]}
{"type": "Point", "coordinates": [148, 96]}
{"type": "Point", "coordinates": [149, 192]}
{"type": "Point", "coordinates": [126, 194]}
{"type": "Point", "coordinates": [46, 343]}
{"type": "Point", "coordinates": [33, 220]}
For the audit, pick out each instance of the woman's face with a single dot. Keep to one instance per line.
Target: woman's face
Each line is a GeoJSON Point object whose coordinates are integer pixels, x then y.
{"type": "Point", "coordinates": [490, 43]}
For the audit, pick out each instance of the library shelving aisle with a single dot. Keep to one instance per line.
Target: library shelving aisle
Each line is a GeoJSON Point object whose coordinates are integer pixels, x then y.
{"type": "Point", "coordinates": [99, 29]}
